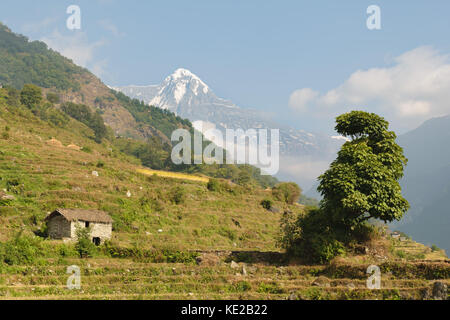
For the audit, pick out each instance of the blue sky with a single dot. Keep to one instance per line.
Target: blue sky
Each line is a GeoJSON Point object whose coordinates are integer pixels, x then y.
{"type": "Point", "coordinates": [296, 59]}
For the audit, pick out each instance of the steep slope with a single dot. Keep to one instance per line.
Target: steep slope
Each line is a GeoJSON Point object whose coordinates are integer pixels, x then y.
{"type": "Point", "coordinates": [189, 97]}
{"type": "Point", "coordinates": [149, 128]}
{"type": "Point", "coordinates": [426, 184]}
{"type": "Point", "coordinates": [22, 61]}
{"type": "Point", "coordinates": [44, 166]}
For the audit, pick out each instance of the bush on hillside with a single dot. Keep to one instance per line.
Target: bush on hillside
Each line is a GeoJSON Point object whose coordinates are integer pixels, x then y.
{"type": "Point", "coordinates": [20, 250]}
{"type": "Point", "coordinates": [288, 192]}
{"type": "Point", "coordinates": [244, 178]}
{"type": "Point", "coordinates": [178, 195]}
{"type": "Point", "coordinates": [31, 96]}
{"type": "Point", "coordinates": [213, 185]}
{"type": "Point", "coordinates": [435, 248]}
{"type": "Point", "coordinates": [84, 246]}
{"type": "Point", "coordinates": [310, 236]}
{"type": "Point", "coordinates": [267, 204]}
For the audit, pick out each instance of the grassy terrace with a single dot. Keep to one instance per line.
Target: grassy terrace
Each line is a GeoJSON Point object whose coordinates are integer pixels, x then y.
{"type": "Point", "coordinates": [44, 176]}
{"type": "Point", "coordinates": [125, 279]}
{"type": "Point", "coordinates": [168, 217]}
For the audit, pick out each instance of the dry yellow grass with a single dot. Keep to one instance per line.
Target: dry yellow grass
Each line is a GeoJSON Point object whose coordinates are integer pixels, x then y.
{"type": "Point", "coordinates": [173, 175]}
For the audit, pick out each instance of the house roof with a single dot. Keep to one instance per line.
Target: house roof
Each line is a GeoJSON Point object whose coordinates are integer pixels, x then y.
{"type": "Point", "coordinates": [82, 215]}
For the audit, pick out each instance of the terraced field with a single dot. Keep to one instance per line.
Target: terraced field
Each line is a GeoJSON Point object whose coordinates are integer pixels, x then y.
{"type": "Point", "coordinates": [212, 229]}
{"type": "Point", "coordinates": [46, 177]}
{"type": "Point", "coordinates": [126, 279]}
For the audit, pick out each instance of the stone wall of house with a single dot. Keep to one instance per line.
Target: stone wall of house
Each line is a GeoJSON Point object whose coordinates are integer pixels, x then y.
{"type": "Point", "coordinates": [98, 230]}
{"type": "Point", "coordinates": [59, 228]}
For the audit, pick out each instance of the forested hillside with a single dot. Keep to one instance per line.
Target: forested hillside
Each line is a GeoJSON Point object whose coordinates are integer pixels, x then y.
{"type": "Point", "coordinates": [24, 62]}
{"type": "Point", "coordinates": [136, 128]}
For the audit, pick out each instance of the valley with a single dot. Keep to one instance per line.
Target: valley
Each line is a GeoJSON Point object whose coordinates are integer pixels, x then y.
{"type": "Point", "coordinates": [183, 232]}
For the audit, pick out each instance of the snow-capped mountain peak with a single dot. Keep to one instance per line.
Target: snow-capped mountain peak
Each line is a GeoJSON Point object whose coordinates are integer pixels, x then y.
{"type": "Point", "coordinates": [185, 75]}
{"type": "Point", "coordinates": [176, 86]}
{"type": "Point", "coordinates": [185, 94]}
{"type": "Point", "coordinates": [181, 91]}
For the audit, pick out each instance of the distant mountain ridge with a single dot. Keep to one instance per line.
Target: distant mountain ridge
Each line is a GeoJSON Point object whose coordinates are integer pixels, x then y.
{"type": "Point", "coordinates": [426, 184]}
{"type": "Point", "coordinates": [189, 97]}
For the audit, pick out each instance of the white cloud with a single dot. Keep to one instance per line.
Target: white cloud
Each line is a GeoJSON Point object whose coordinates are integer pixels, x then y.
{"type": "Point", "coordinates": [109, 26]}
{"type": "Point", "coordinates": [416, 87]}
{"type": "Point", "coordinates": [78, 48]}
{"type": "Point", "coordinates": [300, 99]}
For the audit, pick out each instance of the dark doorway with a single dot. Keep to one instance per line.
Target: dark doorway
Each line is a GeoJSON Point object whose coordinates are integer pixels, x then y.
{"type": "Point", "coordinates": [97, 241]}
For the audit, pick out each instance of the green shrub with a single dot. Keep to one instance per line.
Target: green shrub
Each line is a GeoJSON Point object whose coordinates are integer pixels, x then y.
{"type": "Point", "coordinates": [84, 246]}
{"type": "Point", "coordinates": [86, 149]}
{"type": "Point", "coordinates": [20, 250]}
{"type": "Point", "coordinates": [213, 185]}
{"type": "Point", "coordinates": [311, 237]}
{"type": "Point", "coordinates": [66, 251]}
{"type": "Point", "coordinates": [243, 286]}
{"type": "Point", "coordinates": [31, 96]}
{"type": "Point", "coordinates": [435, 248]}
{"type": "Point", "coordinates": [244, 178]}
{"type": "Point", "coordinates": [288, 192]}
{"type": "Point", "coordinates": [272, 288]}
{"type": "Point", "coordinates": [100, 164]}
{"type": "Point", "coordinates": [267, 204]}
{"type": "Point", "coordinates": [15, 185]}
{"type": "Point", "coordinates": [164, 255]}
{"type": "Point", "coordinates": [178, 195]}
{"type": "Point", "coordinates": [5, 134]}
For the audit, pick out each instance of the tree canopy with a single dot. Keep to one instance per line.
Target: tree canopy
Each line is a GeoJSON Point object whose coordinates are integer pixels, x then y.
{"type": "Point", "coordinates": [362, 183]}
{"type": "Point", "coordinates": [31, 96]}
{"type": "Point", "coordinates": [84, 114]}
{"type": "Point", "coordinates": [288, 192]}
{"type": "Point", "coordinates": [23, 61]}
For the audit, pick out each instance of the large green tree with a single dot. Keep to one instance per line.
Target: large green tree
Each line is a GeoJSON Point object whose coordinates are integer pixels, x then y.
{"type": "Point", "coordinates": [362, 183]}
{"type": "Point", "coordinates": [31, 96]}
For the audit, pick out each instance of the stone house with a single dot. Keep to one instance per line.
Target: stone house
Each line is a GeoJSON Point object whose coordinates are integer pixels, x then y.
{"type": "Point", "coordinates": [395, 235]}
{"type": "Point", "coordinates": [62, 224]}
